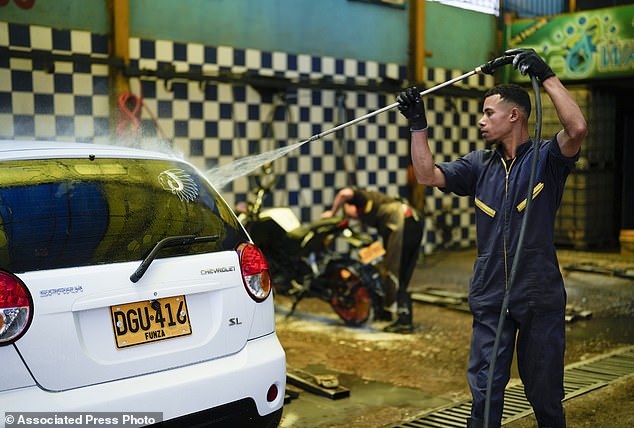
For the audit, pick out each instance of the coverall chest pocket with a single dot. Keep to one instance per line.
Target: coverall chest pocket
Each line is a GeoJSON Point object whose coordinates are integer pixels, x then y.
{"type": "Point", "coordinates": [536, 191]}
{"type": "Point", "coordinates": [484, 208]}
{"type": "Point", "coordinates": [486, 219]}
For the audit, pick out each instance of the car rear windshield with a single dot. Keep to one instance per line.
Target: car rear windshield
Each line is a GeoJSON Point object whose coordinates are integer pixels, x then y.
{"type": "Point", "coordinates": [57, 213]}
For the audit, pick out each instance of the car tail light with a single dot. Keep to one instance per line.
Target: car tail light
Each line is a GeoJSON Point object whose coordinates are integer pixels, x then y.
{"type": "Point", "coordinates": [272, 393]}
{"type": "Point", "coordinates": [16, 308]}
{"type": "Point", "coordinates": [255, 272]}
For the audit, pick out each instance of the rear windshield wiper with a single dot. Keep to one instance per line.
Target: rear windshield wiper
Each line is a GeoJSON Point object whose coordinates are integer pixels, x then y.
{"type": "Point", "coordinates": [171, 241]}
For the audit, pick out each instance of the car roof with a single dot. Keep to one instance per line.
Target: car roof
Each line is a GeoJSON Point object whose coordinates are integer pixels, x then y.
{"type": "Point", "coordinates": [25, 149]}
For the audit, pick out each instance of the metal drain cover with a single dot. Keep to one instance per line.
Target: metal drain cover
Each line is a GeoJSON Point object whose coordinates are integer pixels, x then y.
{"type": "Point", "coordinates": [579, 378]}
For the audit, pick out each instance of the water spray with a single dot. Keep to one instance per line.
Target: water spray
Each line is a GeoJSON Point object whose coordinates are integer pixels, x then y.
{"type": "Point", "coordinates": [225, 174]}
{"type": "Point", "coordinates": [221, 176]}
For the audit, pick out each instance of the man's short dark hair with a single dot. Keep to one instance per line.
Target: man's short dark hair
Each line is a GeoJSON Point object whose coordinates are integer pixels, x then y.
{"type": "Point", "coordinates": [513, 93]}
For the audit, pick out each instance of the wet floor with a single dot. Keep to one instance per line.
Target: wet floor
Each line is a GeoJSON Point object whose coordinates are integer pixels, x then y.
{"type": "Point", "coordinates": [310, 410]}
{"type": "Point", "coordinates": [617, 330]}
{"type": "Point", "coordinates": [366, 396]}
{"type": "Point", "coordinates": [380, 403]}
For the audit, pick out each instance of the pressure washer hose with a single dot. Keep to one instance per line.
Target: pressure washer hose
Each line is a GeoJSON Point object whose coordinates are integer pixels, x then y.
{"type": "Point", "coordinates": [518, 251]}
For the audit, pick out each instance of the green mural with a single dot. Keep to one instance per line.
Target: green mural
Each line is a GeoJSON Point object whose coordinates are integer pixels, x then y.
{"type": "Point", "coordinates": [586, 45]}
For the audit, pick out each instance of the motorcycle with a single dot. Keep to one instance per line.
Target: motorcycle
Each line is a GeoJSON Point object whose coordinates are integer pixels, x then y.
{"type": "Point", "coordinates": [303, 261]}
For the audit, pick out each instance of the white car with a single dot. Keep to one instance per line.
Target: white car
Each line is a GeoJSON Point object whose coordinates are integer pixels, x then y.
{"type": "Point", "coordinates": [127, 284]}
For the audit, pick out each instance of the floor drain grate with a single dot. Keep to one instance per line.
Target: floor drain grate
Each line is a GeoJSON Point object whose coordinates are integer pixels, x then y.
{"type": "Point", "coordinates": [579, 378]}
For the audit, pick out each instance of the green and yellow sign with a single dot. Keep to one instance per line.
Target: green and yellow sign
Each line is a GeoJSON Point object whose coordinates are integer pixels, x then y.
{"type": "Point", "coordinates": [585, 45]}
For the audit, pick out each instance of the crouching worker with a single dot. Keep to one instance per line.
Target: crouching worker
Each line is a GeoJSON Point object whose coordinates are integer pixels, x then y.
{"type": "Point", "coordinates": [401, 230]}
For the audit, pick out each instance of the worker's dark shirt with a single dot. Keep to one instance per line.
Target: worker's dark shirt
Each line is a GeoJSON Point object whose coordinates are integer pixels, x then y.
{"type": "Point", "coordinates": [378, 210]}
{"type": "Point", "coordinates": [499, 194]}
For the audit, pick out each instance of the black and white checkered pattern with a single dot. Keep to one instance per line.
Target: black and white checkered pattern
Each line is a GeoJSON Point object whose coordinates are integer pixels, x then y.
{"type": "Point", "coordinates": [214, 124]}
{"type": "Point", "coordinates": [57, 101]}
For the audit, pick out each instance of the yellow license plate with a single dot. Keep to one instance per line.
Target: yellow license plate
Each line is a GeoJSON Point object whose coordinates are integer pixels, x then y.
{"type": "Point", "coordinates": [150, 321]}
{"type": "Point", "coordinates": [371, 252]}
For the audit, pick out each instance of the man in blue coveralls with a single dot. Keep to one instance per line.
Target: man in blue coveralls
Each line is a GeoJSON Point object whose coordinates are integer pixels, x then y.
{"type": "Point", "coordinates": [497, 180]}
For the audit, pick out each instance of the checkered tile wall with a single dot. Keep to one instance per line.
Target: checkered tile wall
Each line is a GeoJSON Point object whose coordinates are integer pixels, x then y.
{"type": "Point", "coordinates": [214, 124]}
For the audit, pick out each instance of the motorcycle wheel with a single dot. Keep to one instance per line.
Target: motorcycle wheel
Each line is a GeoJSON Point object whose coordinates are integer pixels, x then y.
{"type": "Point", "coordinates": [351, 299]}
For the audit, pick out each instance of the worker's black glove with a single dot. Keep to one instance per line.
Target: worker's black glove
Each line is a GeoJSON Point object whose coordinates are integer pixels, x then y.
{"type": "Point", "coordinates": [491, 66]}
{"type": "Point", "coordinates": [411, 105]}
{"type": "Point", "coordinates": [527, 61]}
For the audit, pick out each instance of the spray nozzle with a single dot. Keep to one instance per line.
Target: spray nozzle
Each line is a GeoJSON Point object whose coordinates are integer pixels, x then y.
{"type": "Point", "coordinates": [490, 66]}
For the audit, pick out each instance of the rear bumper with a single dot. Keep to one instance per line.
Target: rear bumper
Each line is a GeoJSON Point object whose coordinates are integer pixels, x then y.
{"type": "Point", "coordinates": [181, 391]}
{"type": "Point", "coordinates": [237, 414]}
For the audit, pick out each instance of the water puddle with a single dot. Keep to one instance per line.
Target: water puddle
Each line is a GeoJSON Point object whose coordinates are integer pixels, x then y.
{"type": "Point", "coordinates": [613, 330]}
{"type": "Point", "coordinates": [311, 410]}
